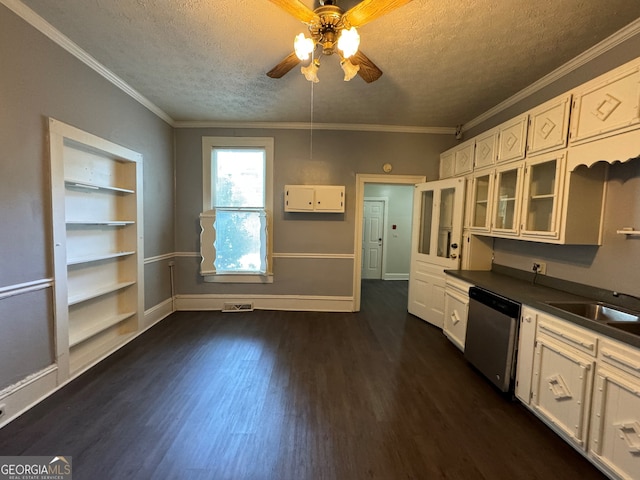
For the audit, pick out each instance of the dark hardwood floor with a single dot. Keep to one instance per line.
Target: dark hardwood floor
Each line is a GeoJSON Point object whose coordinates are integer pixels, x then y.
{"type": "Point", "coordinates": [293, 395]}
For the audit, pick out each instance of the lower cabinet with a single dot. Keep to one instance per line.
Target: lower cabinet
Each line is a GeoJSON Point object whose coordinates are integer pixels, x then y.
{"type": "Point", "coordinates": [584, 385]}
{"type": "Point", "coordinates": [615, 420]}
{"type": "Point", "coordinates": [526, 351]}
{"type": "Point", "coordinates": [456, 309]}
{"type": "Point", "coordinates": [562, 381]}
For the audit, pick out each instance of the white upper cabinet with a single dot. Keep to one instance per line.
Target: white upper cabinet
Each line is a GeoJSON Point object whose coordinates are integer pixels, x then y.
{"type": "Point", "coordinates": [481, 202]}
{"type": "Point", "coordinates": [507, 198]}
{"type": "Point", "coordinates": [486, 149]}
{"type": "Point", "coordinates": [549, 126]}
{"type": "Point", "coordinates": [542, 189]}
{"type": "Point", "coordinates": [513, 139]}
{"type": "Point", "coordinates": [446, 164]}
{"type": "Point", "coordinates": [314, 198]}
{"type": "Point", "coordinates": [463, 158]}
{"type": "Point", "coordinates": [607, 105]}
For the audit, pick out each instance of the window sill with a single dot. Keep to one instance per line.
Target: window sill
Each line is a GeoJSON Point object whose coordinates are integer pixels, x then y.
{"type": "Point", "coordinates": [238, 278]}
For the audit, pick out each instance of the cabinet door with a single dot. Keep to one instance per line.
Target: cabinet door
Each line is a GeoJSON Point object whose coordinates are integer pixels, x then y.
{"type": "Point", "coordinates": [298, 198]}
{"type": "Point", "coordinates": [486, 149]}
{"type": "Point", "coordinates": [513, 139]}
{"type": "Point", "coordinates": [456, 309]}
{"type": "Point", "coordinates": [446, 164]}
{"type": "Point", "coordinates": [607, 105]}
{"type": "Point", "coordinates": [463, 158]}
{"type": "Point", "coordinates": [615, 431]}
{"type": "Point", "coordinates": [562, 382]}
{"type": "Point", "coordinates": [526, 350]}
{"type": "Point", "coordinates": [507, 198]}
{"type": "Point", "coordinates": [329, 198]}
{"type": "Point", "coordinates": [543, 179]}
{"type": "Point", "coordinates": [549, 126]}
{"type": "Point", "coordinates": [482, 190]}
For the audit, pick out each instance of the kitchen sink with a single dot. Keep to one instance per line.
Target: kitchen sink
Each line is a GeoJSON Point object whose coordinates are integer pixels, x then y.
{"type": "Point", "coordinates": [630, 327]}
{"type": "Point", "coordinates": [601, 312]}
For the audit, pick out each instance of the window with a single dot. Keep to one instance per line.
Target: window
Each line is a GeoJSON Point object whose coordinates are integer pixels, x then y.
{"type": "Point", "coordinates": [237, 201]}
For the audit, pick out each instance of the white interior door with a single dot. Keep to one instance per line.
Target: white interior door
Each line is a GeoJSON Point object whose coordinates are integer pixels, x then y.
{"type": "Point", "coordinates": [372, 239]}
{"type": "Point", "coordinates": [438, 208]}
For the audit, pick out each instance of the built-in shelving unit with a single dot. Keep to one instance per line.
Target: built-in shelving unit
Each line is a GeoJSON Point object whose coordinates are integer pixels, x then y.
{"type": "Point", "coordinates": [97, 218]}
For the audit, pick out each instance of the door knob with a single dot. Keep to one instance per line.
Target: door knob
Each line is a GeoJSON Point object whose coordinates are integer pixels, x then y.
{"type": "Point", "coordinates": [454, 256]}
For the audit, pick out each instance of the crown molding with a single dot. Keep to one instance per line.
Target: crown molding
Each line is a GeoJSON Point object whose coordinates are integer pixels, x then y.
{"type": "Point", "coordinates": [44, 27]}
{"type": "Point", "coordinates": [604, 46]}
{"type": "Point", "coordinates": [318, 126]}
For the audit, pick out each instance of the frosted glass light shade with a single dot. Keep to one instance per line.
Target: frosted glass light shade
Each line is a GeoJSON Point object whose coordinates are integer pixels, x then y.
{"type": "Point", "coordinates": [350, 70]}
{"type": "Point", "coordinates": [310, 72]}
{"type": "Point", "coordinates": [349, 42]}
{"type": "Point", "coordinates": [303, 46]}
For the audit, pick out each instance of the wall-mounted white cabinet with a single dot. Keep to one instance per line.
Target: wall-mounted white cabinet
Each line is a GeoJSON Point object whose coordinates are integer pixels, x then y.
{"type": "Point", "coordinates": [481, 203]}
{"type": "Point", "coordinates": [549, 126]}
{"type": "Point", "coordinates": [446, 164]}
{"type": "Point", "coordinates": [463, 158]}
{"type": "Point", "coordinates": [97, 227]}
{"type": "Point", "coordinates": [314, 198]}
{"type": "Point", "coordinates": [607, 105]}
{"type": "Point", "coordinates": [512, 140]}
{"type": "Point", "coordinates": [486, 149]}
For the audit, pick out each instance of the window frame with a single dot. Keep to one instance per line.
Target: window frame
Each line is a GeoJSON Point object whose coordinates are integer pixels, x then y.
{"type": "Point", "coordinates": [209, 143]}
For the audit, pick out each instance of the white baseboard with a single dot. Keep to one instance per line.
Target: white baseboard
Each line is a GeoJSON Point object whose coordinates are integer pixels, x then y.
{"type": "Point", "coordinates": [157, 313]}
{"type": "Point", "coordinates": [25, 394]}
{"type": "Point", "coordinates": [303, 303]}
{"type": "Point", "coordinates": [22, 396]}
{"type": "Point", "coordinates": [395, 276]}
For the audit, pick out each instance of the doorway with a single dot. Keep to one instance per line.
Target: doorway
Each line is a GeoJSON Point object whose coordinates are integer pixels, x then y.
{"type": "Point", "coordinates": [361, 181]}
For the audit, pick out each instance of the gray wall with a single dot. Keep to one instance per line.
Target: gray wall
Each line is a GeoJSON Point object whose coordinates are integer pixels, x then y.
{"type": "Point", "coordinates": [400, 210]}
{"type": "Point", "coordinates": [337, 157]}
{"type": "Point", "coordinates": [614, 265]}
{"type": "Point", "coordinates": [38, 79]}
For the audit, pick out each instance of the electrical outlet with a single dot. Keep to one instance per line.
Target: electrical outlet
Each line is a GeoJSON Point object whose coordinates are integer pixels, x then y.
{"type": "Point", "coordinates": [539, 267]}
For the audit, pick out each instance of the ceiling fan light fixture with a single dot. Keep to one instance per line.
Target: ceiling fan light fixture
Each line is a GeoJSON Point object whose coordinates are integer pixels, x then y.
{"type": "Point", "coordinates": [310, 72]}
{"type": "Point", "coordinates": [349, 41]}
{"type": "Point", "coordinates": [303, 46]}
{"type": "Point", "coordinates": [350, 70]}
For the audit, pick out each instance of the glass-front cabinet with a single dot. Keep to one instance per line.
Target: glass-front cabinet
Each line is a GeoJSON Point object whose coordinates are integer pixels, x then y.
{"type": "Point", "coordinates": [481, 194]}
{"type": "Point", "coordinates": [542, 182]}
{"type": "Point", "coordinates": [506, 212]}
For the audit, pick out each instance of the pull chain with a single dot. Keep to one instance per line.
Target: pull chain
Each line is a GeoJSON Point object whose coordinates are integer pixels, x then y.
{"type": "Point", "coordinates": [311, 122]}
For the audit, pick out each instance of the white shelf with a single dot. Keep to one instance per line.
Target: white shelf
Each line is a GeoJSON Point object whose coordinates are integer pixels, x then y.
{"type": "Point", "coordinates": [79, 336]}
{"type": "Point", "coordinates": [96, 258]}
{"type": "Point", "coordinates": [108, 223]}
{"type": "Point", "coordinates": [543, 197]}
{"type": "Point", "coordinates": [628, 231]}
{"type": "Point", "coordinates": [94, 186]}
{"type": "Point", "coordinates": [81, 297]}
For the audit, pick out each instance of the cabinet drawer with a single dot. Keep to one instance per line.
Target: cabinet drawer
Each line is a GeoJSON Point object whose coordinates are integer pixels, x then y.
{"type": "Point", "coordinates": [580, 339]}
{"type": "Point", "coordinates": [620, 356]}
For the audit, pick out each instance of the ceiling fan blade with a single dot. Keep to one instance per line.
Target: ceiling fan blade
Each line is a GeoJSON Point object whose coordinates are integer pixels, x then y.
{"type": "Point", "coordinates": [284, 66]}
{"type": "Point", "coordinates": [368, 70]}
{"type": "Point", "coordinates": [369, 10]}
{"type": "Point", "coordinates": [296, 8]}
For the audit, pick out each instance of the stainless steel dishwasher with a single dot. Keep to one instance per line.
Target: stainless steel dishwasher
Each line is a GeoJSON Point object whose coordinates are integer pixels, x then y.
{"type": "Point", "coordinates": [491, 339]}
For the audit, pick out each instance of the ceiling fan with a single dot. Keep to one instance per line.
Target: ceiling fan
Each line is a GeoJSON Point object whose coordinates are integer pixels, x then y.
{"type": "Point", "coordinates": [334, 31]}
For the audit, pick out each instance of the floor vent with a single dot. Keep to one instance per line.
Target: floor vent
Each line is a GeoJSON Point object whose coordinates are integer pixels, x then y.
{"type": "Point", "coordinates": [237, 307]}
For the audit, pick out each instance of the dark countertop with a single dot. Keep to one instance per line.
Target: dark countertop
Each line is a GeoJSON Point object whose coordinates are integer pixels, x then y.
{"type": "Point", "coordinates": [519, 286]}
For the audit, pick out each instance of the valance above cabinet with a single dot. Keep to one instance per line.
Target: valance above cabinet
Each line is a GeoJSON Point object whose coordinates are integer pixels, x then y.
{"type": "Point", "coordinates": [314, 198]}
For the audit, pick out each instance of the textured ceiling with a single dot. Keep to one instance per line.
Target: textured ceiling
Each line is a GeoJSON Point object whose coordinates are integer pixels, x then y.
{"type": "Point", "coordinates": [444, 62]}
